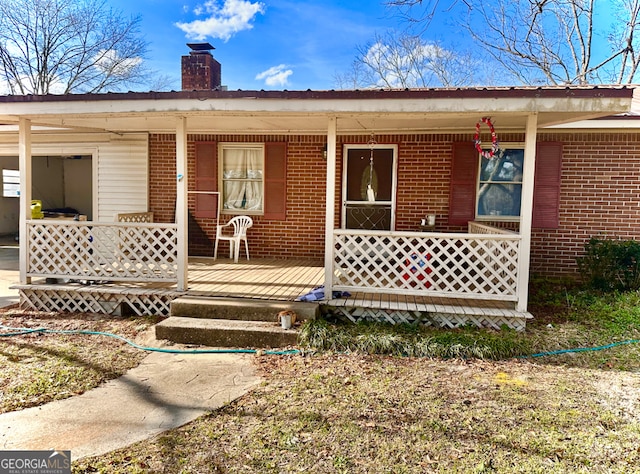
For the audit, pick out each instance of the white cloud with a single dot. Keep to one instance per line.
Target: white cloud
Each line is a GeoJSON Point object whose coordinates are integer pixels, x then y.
{"type": "Point", "coordinates": [4, 88]}
{"type": "Point", "coordinates": [408, 63]}
{"type": "Point", "coordinates": [223, 19]}
{"type": "Point", "coordinates": [56, 87]}
{"type": "Point", "coordinates": [109, 62]}
{"type": "Point", "coordinates": [275, 76]}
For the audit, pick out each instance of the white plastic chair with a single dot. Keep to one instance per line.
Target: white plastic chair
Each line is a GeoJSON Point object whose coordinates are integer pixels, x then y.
{"type": "Point", "coordinates": [240, 225]}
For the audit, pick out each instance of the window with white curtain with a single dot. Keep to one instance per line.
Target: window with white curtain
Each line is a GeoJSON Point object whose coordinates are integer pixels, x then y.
{"type": "Point", "coordinates": [242, 176]}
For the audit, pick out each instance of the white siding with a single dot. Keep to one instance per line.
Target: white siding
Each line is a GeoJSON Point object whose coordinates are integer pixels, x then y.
{"type": "Point", "coordinates": [122, 177]}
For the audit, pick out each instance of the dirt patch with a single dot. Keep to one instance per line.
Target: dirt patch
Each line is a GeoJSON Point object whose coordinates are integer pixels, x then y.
{"type": "Point", "coordinates": [339, 413]}
{"type": "Point", "coordinates": [41, 367]}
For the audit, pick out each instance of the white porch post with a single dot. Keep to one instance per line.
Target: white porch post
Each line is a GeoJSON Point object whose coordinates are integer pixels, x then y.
{"type": "Point", "coordinates": [24, 165]}
{"type": "Point", "coordinates": [526, 211]}
{"type": "Point", "coordinates": [181, 203]}
{"type": "Point", "coordinates": [330, 207]}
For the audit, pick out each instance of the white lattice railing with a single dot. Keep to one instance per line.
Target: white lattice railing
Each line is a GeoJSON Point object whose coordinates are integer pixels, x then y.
{"type": "Point", "coordinates": [480, 228]}
{"type": "Point", "coordinates": [97, 251]}
{"type": "Point", "coordinates": [480, 266]}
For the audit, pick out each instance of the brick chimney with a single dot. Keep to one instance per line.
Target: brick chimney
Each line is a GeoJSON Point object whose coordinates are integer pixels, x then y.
{"type": "Point", "coordinates": [200, 71]}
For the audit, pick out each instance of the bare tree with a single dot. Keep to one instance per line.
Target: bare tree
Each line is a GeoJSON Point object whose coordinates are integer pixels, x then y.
{"type": "Point", "coordinates": [355, 78]}
{"type": "Point", "coordinates": [623, 38]}
{"type": "Point", "coordinates": [65, 46]}
{"type": "Point", "coordinates": [405, 60]}
{"type": "Point", "coordinates": [548, 41]}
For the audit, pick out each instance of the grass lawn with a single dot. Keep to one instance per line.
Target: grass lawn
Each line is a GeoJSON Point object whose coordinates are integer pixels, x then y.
{"type": "Point", "coordinates": [375, 414]}
{"type": "Point", "coordinates": [360, 401]}
{"type": "Point", "coordinates": [38, 368]}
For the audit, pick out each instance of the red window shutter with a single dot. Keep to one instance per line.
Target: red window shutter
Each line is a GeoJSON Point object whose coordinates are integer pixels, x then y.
{"type": "Point", "coordinates": [546, 190]}
{"type": "Point", "coordinates": [462, 191]}
{"type": "Point", "coordinates": [275, 181]}
{"type": "Point", "coordinates": [206, 179]}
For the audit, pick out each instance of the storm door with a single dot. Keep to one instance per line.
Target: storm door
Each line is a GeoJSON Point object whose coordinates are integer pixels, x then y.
{"type": "Point", "coordinates": [368, 187]}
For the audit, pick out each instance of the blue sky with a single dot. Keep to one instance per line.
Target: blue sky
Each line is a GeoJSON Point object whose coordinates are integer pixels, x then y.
{"type": "Point", "coordinates": [268, 44]}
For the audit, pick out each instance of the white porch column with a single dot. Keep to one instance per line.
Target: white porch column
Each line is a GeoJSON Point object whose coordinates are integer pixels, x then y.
{"type": "Point", "coordinates": [24, 165]}
{"type": "Point", "coordinates": [526, 211]}
{"type": "Point", "coordinates": [181, 203]}
{"type": "Point", "coordinates": [330, 207]}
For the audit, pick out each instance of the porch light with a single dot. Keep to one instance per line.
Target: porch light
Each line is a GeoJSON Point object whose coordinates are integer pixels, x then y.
{"type": "Point", "coordinates": [324, 151]}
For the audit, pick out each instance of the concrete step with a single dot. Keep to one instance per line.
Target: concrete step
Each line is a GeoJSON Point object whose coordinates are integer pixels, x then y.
{"type": "Point", "coordinates": [225, 332]}
{"type": "Point", "coordinates": [242, 309]}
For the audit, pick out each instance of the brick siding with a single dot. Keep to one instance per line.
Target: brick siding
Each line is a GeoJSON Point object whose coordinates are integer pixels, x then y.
{"type": "Point", "coordinates": [599, 192]}
{"type": "Point", "coordinates": [200, 71]}
{"type": "Point", "coordinates": [599, 196]}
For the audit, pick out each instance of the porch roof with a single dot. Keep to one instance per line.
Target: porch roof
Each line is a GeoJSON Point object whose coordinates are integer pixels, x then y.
{"type": "Point", "coordinates": [306, 112]}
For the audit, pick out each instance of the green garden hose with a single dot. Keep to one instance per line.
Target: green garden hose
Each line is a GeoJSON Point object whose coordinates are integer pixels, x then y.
{"type": "Point", "coordinates": [582, 349]}
{"type": "Point", "coordinates": [23, 331]}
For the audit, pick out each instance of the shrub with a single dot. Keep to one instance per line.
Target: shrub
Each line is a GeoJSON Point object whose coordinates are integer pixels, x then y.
{"type": "Point", "coordinates": [611, 264]}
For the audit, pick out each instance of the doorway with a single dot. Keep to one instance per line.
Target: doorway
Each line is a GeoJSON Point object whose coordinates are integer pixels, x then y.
{"type": "Point", "coordinates": [64, 184]}
{"type": "Point", "coordinates": [369, 187]}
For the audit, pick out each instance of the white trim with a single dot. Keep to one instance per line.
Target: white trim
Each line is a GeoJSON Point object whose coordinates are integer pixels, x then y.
{"type": "Point", "coordinates": [394, 181]}
{"type": "Point", "coordinates": [628, 124]}
{"type": "Point", "coordinates": [479, 218]}
{"type": "Point", "coordinates": [182, 179]}
{"type": "Point", "coordinates": [239, 145]}
{"type": "Point", "coordinates": [40, 111]}
{"type": "Point", "coordinates": [303, 112]}
{"type": "Point", "coordinates": [526, 211]}
{"type": "Point", "coordinates": [49, 150]}
{"type": "Point", "coordinates": [95, 156]}
{"type": "Point", "coordinates": [330, 203]}
{"type": "Point", "coordinates": [24, 165]}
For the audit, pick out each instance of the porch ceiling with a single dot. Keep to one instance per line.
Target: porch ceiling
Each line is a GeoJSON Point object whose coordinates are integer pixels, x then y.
{"type": "Point", "coordinates": [299, 123]}
{"type": "Point", "coordinates": [308, 112]}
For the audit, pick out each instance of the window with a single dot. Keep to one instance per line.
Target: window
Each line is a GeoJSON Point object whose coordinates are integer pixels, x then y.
{"type": "Point", "coordinates": [10, 183]}
{"type": "Point", "coordinates": [242, 177]}
{"type": "Point", "coordinates": [466, 182]}
{"type": "Point", "coordinates": [271, 187]}
{"type": "Point", "coordinates": [500, 185]}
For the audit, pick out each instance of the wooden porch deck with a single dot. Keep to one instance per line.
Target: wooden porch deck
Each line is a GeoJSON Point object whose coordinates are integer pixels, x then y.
{"type": "Point", "coordinates": [286, 280]}
{"type": "Point", "coordinates": [270, 280]}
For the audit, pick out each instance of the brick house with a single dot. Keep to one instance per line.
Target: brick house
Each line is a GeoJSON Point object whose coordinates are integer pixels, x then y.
{"type": "Point", "coordinates": [568, 168]}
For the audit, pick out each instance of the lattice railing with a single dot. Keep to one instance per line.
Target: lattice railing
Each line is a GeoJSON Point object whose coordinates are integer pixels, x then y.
{"type": "Point", "coordinates": [134, 217]}
{"type": "Point", "coordinates": [96, 251]}
{"type": "Point", "coordinates": [451, 265]}
{"type": "Point", "coordinates": [480, 228]}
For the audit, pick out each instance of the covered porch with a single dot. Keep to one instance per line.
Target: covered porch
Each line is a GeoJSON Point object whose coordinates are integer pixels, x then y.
{"type": "Point", "coordinates": [268, 280]}
{"type": "Point", "coordinates": [386, 272]}
{"type": "Point", "coordinates": [437, 279]}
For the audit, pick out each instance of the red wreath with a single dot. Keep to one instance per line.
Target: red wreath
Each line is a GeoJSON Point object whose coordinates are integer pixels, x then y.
{"type": "Point", "coordinates": [494, 140]}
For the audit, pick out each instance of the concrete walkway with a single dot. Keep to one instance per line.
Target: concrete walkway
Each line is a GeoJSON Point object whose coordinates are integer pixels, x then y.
{"type": "Point", "coordinates": [165, 391]}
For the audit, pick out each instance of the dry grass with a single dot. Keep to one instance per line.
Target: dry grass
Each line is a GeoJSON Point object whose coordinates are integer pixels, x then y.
{"type": "Point", "coordinates": [371, 414]}
{"type": "Point", "coordinates": [38, 368]}
{"type": "Point", "coordinates": [575, 412]}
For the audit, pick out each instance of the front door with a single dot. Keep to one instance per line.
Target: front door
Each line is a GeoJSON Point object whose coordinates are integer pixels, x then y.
{"type": "Point", "coordinates": [368, 189]}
